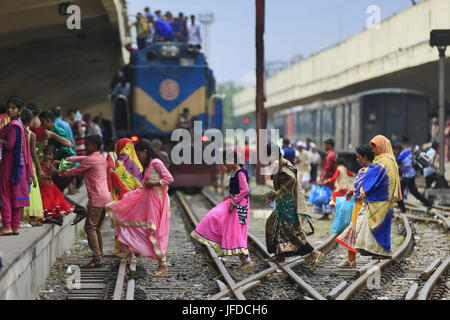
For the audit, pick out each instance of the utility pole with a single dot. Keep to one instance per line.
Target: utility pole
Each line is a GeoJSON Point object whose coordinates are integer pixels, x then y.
{"type": "Point", "coordinates": [442, 112]}
{"type": "Point", "coordinates": [261, 115]}
{"type": "Point", "coordinates": [441, 39]}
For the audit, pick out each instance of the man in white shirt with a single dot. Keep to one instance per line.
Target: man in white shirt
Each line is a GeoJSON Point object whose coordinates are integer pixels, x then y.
{"type": "Point", "coordinates": [316, 160]}
{"type": "Point", "coordinates": [430, 172]}
{"type": "Point", "coordinates": [194, 36]}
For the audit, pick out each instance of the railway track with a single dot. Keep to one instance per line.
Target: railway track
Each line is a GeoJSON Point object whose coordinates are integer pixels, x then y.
{"type": "Point", "coordinates": [410, 264]}
{"type": "Point", "coordinates": [268, 280]}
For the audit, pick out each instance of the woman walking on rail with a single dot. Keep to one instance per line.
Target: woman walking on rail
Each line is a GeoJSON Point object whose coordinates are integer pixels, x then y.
{"type": "Point", "coordinates": [284, 234]}
{"type": "Point", "coordinates": [16, 168]}
{"type": "Point", "coordinates": [225, 227]}
{"type": "Point", "coordinates": [364, 157]}
{"type": "Point", "coordinates": [142, 215]}
{"type": "Point", "coordinates": [125, 175]}
{"type": "Point", "coordinates": [381, 188]}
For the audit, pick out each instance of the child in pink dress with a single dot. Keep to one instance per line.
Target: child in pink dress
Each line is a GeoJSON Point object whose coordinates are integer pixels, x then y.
{"type": "Point", "coordinates": [142, 215]}
{"type": "Point", "coordinates": [224, 228]}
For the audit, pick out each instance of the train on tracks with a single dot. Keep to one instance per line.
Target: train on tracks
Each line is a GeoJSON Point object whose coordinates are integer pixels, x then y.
{"type": "Point", "coordinates": [353, 120]}
{"type": "Point", "coordinates": [164, 79]}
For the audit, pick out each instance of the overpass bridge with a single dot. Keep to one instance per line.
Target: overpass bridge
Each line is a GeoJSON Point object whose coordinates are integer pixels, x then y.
{"type": "Point", "coordinates": [396, 55]}
{"type": "Point", "coordinates": [42, 60]}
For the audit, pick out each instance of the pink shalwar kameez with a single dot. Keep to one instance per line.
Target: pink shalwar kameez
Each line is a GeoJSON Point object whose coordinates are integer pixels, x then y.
{"type": "Point", "coordinates": [17, 173]}
{"type": "Point", "coordinates": [221, 229]}
{"type": "Point", "coordinates": [142, 215]}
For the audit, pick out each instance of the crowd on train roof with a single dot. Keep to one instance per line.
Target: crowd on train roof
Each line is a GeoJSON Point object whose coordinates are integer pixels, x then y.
{"type": "Point", "coordinates": [154, 27]}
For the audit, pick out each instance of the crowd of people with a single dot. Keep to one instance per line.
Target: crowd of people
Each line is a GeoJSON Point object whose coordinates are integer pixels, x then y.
{"type": "Point", "coordinates": [154, 27]}
{"type": "Point", "coordinates": [129, 182]}
{"type": "Point", "coordinates": [47, 154]}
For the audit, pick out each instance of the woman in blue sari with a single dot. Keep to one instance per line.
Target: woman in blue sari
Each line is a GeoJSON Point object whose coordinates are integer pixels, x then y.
{"type": "Point", "coordinates": [381, 188]}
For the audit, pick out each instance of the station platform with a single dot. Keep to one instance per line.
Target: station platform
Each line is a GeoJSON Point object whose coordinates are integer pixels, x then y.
{"type": "Point", "coordinates": [28, 257]}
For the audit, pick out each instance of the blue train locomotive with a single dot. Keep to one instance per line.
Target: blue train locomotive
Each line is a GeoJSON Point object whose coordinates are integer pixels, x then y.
{"type": "Point", "coordinates": [163, 80]}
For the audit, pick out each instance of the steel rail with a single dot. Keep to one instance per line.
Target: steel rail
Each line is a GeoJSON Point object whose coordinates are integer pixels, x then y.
{"type": "Point", "coordinates": [361, 282]}
{"type": "Point", "coordinates": [413, 290]}
{"type": "Point", "coordinates": [441, 214]}
{"type": "Point", "coordinates": [120, 280]}
{"type": "Point", "coordinates": [431, 283]}
{"type": "Point", "coordinates": [285, 267]}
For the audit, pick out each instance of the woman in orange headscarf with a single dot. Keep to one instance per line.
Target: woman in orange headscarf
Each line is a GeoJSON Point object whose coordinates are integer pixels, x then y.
{"type": "Point", "coordinates": [126, 175]}
{"type": "Point", "coordinates": [381, 188]}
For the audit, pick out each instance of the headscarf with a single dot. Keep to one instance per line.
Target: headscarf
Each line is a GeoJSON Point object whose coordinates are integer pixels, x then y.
{"type": "Point", "coordinates": [386, 156]}
{"type": "Point", "coordinates": [127, 173]}
{"type": "Point", "coordinates": [382, 145]}
{"type": "Point", "coordinates": [22, 156]}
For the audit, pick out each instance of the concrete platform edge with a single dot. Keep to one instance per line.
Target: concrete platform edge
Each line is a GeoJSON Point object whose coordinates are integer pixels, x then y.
{"type": "Point", "coordinates": [24, 276]}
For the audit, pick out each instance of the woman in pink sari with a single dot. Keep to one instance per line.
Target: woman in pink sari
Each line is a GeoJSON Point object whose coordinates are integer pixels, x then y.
{"type": "Point", "coordinates": [16, 167]}
{"type": "Point", "coordinates": [142, 215]}
{"type": "Point", "coordinates": [225, 227]}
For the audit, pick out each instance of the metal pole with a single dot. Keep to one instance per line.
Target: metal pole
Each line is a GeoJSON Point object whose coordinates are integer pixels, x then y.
{"type": "Point", "coordinates": [260, 98]}
{"type": "Point", "coordinates": [442, 111]}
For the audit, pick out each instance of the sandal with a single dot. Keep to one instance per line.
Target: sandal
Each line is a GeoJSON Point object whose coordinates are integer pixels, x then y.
{"type": "Point", "coordinates": [244, 266]}
{"type": "Point", "coordinates": [78, 218]}
{"type": "Point", "coordinates": [94, 263]}
{"type": "Point", "coordinates": [15, 232]}
{"type": "Point", "coordinates": [317, 260]}
{"type": "Point", "coordinates": [276, 259]}
{"type": "Point", "coordinates": [347, 265]}
{"type": "Point", "coordinates": [120, 254]}
{"type": "Point", "coordinates": [159, 274]}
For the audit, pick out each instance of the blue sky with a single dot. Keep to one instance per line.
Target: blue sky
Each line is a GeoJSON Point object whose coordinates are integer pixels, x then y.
{"type": "Point", "coordinates": [292, 27]}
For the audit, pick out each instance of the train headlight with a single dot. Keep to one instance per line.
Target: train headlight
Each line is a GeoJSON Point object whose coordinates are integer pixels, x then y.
{"type": "Point", "coordinates": [169, 51]}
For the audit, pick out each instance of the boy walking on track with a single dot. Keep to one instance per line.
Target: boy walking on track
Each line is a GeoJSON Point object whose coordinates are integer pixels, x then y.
{"type": "Point", "coordinates": [93, 169]}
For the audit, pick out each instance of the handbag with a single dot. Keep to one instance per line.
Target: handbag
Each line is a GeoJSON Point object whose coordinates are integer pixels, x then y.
{"type": "Point", "coordinates": [242, 212]}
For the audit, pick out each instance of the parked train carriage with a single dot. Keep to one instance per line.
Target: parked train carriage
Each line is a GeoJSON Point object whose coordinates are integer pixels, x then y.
{"type": "Point", "coordinates": [165, 79]}
{"type": "Point", "coordinates": [354, 120]}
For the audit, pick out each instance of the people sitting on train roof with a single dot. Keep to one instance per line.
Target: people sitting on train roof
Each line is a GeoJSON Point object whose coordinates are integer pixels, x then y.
{"type": "Point", "coordinates": [180, 28]}
{"type": "Point", "coordinates": [163, 30]}
{"type": "Point", "coordinates": [168, 17]}
{"type": "Point", "coordinates": [141, 30]}
{"type": "Point", "coordinates": [194, 36]}
{"type": "Point", "coordinates": [184, 120]}
{"type": "Point", "coordinates": [148, 13]}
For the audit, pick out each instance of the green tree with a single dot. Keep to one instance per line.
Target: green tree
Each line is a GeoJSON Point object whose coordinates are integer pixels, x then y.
{"type": "Point", "coordinates": [229, 89]}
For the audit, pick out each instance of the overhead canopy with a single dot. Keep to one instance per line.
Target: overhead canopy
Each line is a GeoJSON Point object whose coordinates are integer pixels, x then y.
{"type": "Point", "coordinates": [42, 60]}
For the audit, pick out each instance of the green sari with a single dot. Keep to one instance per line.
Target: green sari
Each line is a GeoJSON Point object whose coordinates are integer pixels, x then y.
{"type": "Point", "coordinates": [284, 230]}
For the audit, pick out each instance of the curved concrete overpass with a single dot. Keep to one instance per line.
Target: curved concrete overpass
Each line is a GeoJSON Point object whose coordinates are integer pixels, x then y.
{"type": "Point", "coordinates": [42, 60]}
{"type": "Point", "coordinates": [396, 55]}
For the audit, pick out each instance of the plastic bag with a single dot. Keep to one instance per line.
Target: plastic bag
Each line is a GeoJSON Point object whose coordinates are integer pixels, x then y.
{"type": "Point", "coordinates": [343, 214]}
{"type": "Point", "coordinates": [319, 195]}
{"type": "Point", "coordinates": [64, 165]}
